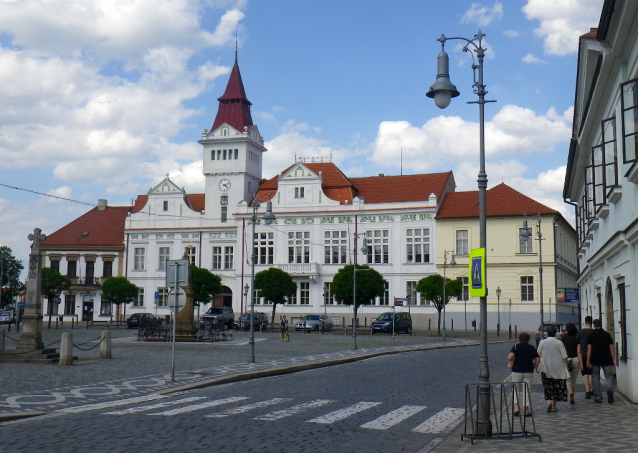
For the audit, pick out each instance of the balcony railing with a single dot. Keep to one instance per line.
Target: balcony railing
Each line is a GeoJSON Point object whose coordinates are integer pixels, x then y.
{"type": "Point", "coordinates": [86, 281]}
{"type": "Point", "coordinates": [299, 269]}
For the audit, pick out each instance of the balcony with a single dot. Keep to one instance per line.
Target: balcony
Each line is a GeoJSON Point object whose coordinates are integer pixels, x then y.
{"type": "Point", "coordinates": [86, 281]}
{"type": "Point", "coordinates": [294, 269]}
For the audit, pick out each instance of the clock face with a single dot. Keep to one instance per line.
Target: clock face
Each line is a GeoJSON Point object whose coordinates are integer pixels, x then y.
{"type": "Point", "coordinates": [224, 185]}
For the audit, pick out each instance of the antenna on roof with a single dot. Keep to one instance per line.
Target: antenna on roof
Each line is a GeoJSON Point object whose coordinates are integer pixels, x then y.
{"type": "Point", "coordinates": [401, 161]}
{"type": "Point", "coordinates": [236, 45]}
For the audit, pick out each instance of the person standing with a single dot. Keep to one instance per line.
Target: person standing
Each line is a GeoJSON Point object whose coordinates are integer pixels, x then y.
{"type": "Point", "coordinates": [553, 369]}
{"type": "Point", "coordinates": [600, 355]}
{"type": "Point", "coordinates": [283, 328]}
{"type": "Point", "coordinates": [570, 340]}
{"type": "Point", "coordinates": [525, 360]}
{"type": "Point", "coordinates": [585, 371]}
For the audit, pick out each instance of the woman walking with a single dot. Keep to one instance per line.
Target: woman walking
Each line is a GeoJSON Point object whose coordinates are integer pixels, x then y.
{"type": "Point", "coordinates": [571, 342]}
{"type": "Point", "coordinates": [553, 369]}
{"type": "Point", "coordinates": [526, 360]}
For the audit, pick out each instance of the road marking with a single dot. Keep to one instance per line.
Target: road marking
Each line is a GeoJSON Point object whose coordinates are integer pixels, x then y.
{"type": "Point", "coordinates": [196, 407]}
{"type": "Point", "coordinates": [343, 413]}
{"type": "Point", "coordinates": [294, 410]}
{"type": "Point", "coordinates": [243, 343]}
{"type": "Point", "coordinates": [108, 404]}
{"type": "Point", "coordinates": [132, 410]}
{"type": "Point", "coordinates": [249, 407]}
{"type": "Point", "coordinates": [439, 421]}
{"type": "Point", "coordinates": [393, 418]}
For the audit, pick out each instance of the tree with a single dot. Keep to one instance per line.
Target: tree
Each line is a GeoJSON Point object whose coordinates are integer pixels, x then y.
{"type": "Point", "coordinates": [119, 290]}
{"type": "Point", "coordinates": [52, 283]}
{"type": "Point", "coordinates": [204, 284]}
{"type": "Point", "coordinates": [10, 269]}
{"type": "Point", "coordinates": [431, 288]}
{"type": "Point", "coordinates": [276, 286]}
{"type": "Point", "coordinates": [370, 284]}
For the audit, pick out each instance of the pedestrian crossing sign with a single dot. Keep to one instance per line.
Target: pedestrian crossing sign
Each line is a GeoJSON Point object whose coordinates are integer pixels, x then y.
{"type": "Point", "coordinates": [477, 273]}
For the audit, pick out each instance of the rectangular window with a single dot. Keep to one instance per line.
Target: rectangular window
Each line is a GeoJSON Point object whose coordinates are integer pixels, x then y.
{"type": "Point", "coordinates": [72, 269]}
{"type": "Point", "coordinates": [228, 258]}
{"type": "Point", "coordinates": [417, 245]}
{"type": "Point", "coordinates": [219, 154]}
{"type": "Point", "coordinates": [299, 192]}
{"type": "Point", "coordinates": [629, 103]}
{"type": "Point", "coordinates": [256, 296]}
{"type": "Point", "coordinates": [335, 247]}
{"type": "Point", "coordinates": [236, 154]}
{"type": "Point", "coordinates": [90, 272]}
{"type": "Point", "coordinates": [304, 293]}
{"type": "Point", "coordinates": [462, 242]}
{"type": "Point", "coordinates": [107, 269]}
{"type": "Point", "coordinates": [299, 247]}
{"type": "Point", "coordinates": [139, 259]}
{"type": "Point", "coordinates": [525, 242]}
{"type": "Point", "coordinates": [465, 295]}
{"type": "Point", "coordinates": [327, 299]}
{"type": "Point", "coordinates": [264, 248]}
{"type": "Point", "coordinates": [164, 256]}
{"type": "Point", "coordinates": [55, 265]}
{"type": "Point", "coordinates": [224, 214]}
{"type": "Point", "coordinates": [212, 155]}
{"type": "Point", "coordinates": [165, 206]}
{"type": "Point", "coordinates": [527, 289]}
{"type": "Point", "coordinates": [412, 295]}
{"type": "Point", "coordinates": [139, 302]}
{"type": "Point", "coordinates": [292, 300]}
{"type": "Point", "coordinates": [224, 154]}
{"type": "Point", "coordinates": [106, 308]}
{"type": "Point", "coordinates": [378, 246]}
{"type": "Point", "coordinates": [69, 304]}
{"type": "Point", "coordinates": [191, 253]}
{"type": "Point", "coordinates": [385, 299]}
{"type": "Point", "coordinates": [217, 258]}
{"type": "Point", "coordinates": [162, 300]}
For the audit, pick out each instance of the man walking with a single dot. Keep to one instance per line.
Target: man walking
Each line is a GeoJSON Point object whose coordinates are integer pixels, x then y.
{"type": "Point", "coordinates": [600, 354]}
{"type": "Point", "coordinates": [582, 356]}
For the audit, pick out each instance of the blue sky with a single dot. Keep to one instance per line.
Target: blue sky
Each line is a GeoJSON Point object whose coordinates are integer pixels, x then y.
{"type": "Point", "coordinates": [101, 100]}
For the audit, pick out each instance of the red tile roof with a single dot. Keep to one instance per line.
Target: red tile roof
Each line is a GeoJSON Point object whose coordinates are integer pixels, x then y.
{"type": "Point", "coordinates": [105, 230]}
{"type": "Point", "coordinates": [502, 201]}
{"type": "Point", "coordinates": [374, 189]}
{"type": "Point", "coordinates": [234, 106]}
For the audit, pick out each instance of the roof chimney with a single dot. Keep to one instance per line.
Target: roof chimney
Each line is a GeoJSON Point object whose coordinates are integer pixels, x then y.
{"type": "Point", "coordinates": [101, 204]}
{"type": "Point", "coordinates": [381, 174]}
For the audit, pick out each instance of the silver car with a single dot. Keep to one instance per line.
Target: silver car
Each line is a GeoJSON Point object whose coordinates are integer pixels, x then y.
{"type": "Point", "coordinates": [314, 322]}
{"type": "Point", "coordinates": [5, 317]}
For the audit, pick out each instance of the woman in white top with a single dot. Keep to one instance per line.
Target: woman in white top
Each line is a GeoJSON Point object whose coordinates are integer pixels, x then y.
{"type": "Point", "coordinates": [553, 369]}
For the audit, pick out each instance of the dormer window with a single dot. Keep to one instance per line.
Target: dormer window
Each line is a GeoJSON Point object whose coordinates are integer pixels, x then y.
{"type": "Point", "coordinates": [299, 192]}
{"type": "Point", "coordinates": [165, 206]}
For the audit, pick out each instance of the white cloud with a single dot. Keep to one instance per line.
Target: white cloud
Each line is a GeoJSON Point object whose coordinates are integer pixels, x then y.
{"type": "Point", "coordinates": [510, 34]}
{"type": "Point", "coordinates": [59, 193]}
{"type": "Point", "coordinates": [483, 15]}
{"type": "Point", "coordinates": [531, 59]}
{"type": "Point", "coordinates": [562, 22]}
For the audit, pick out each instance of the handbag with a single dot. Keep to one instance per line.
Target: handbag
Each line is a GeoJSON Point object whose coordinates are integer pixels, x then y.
{"type": "Point", "coordinates": [510, 364]}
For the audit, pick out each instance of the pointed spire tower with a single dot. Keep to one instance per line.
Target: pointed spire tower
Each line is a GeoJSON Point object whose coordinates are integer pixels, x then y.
{"type": "Point", "coordinates": [233, 149]}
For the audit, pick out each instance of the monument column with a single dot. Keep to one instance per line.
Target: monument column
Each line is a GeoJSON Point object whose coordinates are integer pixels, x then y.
{"type": "Point", "coordinates": [31, 332]}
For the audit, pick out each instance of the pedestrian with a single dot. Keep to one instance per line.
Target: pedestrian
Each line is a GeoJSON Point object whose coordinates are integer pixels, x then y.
{"type": "Point", "coordinates": [570, 340]}
{"type": "Point", "coordinates": [582, 357]}
{"type": "Point", "coordinates": [600, 355]}
{"type": "Point", "coordinates": [283, 327]}
{"type": "Point", "coordinates": [526, 360]}
{"type": "Point", "coordinates": [553, 368]}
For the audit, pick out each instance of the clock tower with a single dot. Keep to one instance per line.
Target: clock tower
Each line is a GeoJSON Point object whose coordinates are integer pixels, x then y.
{"type": "Point", "coordinates": [233, 153]}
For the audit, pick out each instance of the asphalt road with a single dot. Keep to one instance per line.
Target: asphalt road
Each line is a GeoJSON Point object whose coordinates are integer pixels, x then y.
{"type": "Point", "coordinates": [394, 403]}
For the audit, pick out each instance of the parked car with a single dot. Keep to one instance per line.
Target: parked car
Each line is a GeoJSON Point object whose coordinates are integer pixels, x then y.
{"type": "Point", "coordinates": [6, 317]}
{"type": "Point", "coordinates": [222, 316]}
{"type": "Point", "coordinates": [560, 330]}
{"type": "Point", "coordinates": [402, 323]}
{"type": "Point", "coordinates": [260, 321]}
{"type": "Point", "coordinates": [137, 320]}
{"type": "Point", "coordinates": [314, 322]}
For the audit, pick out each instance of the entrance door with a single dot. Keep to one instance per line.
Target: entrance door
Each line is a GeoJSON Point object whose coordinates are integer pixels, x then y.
{"type": "Point", "coordinates": [87, 311]}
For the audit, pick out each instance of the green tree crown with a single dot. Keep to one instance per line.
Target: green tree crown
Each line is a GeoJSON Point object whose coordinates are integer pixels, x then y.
{"type": "Point", "coordinates": [370, 284]}
{"type": "Point", "coordinates": [119, 290]}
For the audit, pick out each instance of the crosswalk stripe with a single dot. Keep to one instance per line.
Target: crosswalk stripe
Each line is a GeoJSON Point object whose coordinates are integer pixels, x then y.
{"type": "Point", "coordinates": [249, 407]}
{"type": "Point", "coordinates": [243, 343]}
{"type": "Point", "coordinates": [196, 407]}
{"type": "Point", "coordinates": [439, 421]}
{"type": "Point", "coordinates": [132, 410]}
{"type": "Point", "coordinates": [294, 410]}
{"type": "Point", "coordinates": [343, 413]}
{"type": "Point", "coordinates": [393, 418]}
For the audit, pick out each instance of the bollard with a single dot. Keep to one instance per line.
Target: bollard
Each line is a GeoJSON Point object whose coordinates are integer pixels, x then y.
{"type": "Point", "coordinates": [510, 331]}
{"type": "Point", "coordinates": [429, 323]}
{"type": "Point", "coordinates": [515, 331]}
{"type": "Point", "coordinates": [452, 324]}
{"type": "Point", "coordinates": [2, 340]}
{"type": "Point", "coordinates": [66, 349]}
{"type": "Point", "coordinates": [105, 346]}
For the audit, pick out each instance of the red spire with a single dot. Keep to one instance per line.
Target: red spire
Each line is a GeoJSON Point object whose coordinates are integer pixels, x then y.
{"type": "Point", "coordinates": [234, 107]}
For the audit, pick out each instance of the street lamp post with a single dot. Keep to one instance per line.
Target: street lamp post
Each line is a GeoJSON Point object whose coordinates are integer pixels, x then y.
{"type": "Point", "coordinates": [326, 296]}
{"type": "Point", "coordinates": [452, 263]}
{"type": "Point", "coordinates": [498, 310]}
{"type": "Point", "coordinates": [526, 233]}
{"type": "Point", "coordinates": [442, 91]}
{"type": "Point", "coordinates": [364, 249]}
{"type": "Point", "coordinates": [268, 218]}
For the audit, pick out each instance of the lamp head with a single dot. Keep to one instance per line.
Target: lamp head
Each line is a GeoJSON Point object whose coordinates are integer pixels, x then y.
{"type": "Point", "coordinates": [498, 292]}
{"type": "Point", "coordinates": [527, 232]}
{"type": "Point", "coordinates": [453, 262]}
{"type": "Point", "coordinates": [269, 216]}
{"type": "Point", "coordinates": [442, 90]}
{"type": "Point", "coordinates": [365, 249]}
{"type": "Point", "coordinates": [246, 287]}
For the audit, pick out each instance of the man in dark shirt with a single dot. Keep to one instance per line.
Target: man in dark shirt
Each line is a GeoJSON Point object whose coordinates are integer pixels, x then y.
{"type": "Point", "coordinates": [582, 356]}
{"type": "Point", "coordinates": [600, 355]}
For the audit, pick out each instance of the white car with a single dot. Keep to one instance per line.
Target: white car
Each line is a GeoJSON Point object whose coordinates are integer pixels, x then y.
{"type": "Point", "coordinates": [314, 322]}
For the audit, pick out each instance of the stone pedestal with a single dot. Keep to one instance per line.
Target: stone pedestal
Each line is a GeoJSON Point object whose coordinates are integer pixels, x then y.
{"type": "Point", "coordinates": [185, 318]}
{"type": "Point", "coordinates": [31, 333]}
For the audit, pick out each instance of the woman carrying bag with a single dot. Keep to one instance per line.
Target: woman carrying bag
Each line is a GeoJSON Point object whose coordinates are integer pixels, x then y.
{"type": "Point", "coordinates": [523, 360]}
{"type": "Point", "coordinates": [553, 369]}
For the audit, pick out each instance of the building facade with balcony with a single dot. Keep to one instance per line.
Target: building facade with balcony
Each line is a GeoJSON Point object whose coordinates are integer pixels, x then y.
{"type": "Point", "coordinates": [602, 180]}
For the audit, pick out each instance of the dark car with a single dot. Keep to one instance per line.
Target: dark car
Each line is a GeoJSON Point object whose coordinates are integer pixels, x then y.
{"type": "Point", "coordinates": [314, 322]}
{"type": "Point", "coordinates": [6, 317]}
{"type": "Point", "coordinates": [560, 330]}
{"type": "Point", "coordinates": [137, 320]}
{"type": "Point", "coordinates": [218, 316]}
{"type": "Point", "coordinates": [402, 323]}
{"type": "Point", "coordinates": [260, 321]}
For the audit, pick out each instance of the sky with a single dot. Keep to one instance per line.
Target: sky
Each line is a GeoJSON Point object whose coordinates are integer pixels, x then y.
{"type": "Point", "coordinates": [102, 99]}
